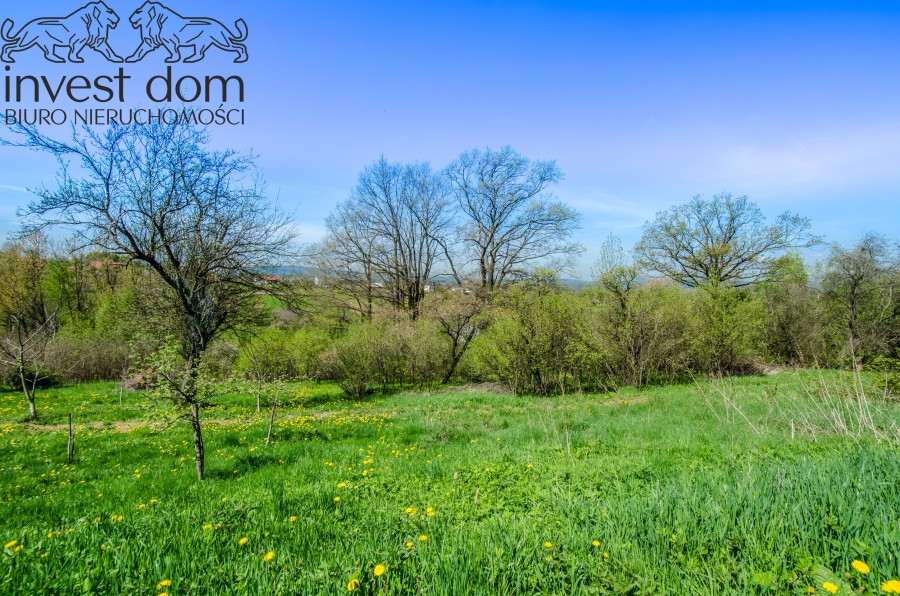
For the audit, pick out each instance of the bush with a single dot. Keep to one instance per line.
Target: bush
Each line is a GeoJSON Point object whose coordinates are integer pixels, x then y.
{"type": "Point", "coordinates": [88, 358]}
{"type": "Point", "coordinates": [286, 354]}
{"type": "Point", "coordinates": [385, 354]}
{"type": "Point", "coordinates": [726, 328]}
{"type": "Point", "coordinates": [537, 342]}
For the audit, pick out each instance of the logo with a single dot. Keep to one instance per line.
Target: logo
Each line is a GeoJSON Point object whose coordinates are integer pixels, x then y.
{"type": "Point", "coordinates": [87, 27]}
{"type": "Point", "coordinates": [159, 27]}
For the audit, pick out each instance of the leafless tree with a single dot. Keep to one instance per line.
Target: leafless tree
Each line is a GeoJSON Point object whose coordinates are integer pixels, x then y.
{"type": "Point", "coordinates": [28, 321]}
{"type": "Point", "coordinates": [510, 222]}
{"type": "Point", "coordinates": [721, 241]}
{"type": "Point", "coordinates": [198, 218]}
{"type": "Point", "coordinates": [863, 282]}
{"type": "Point", "coordinates": [345, 260]}
{"type": "Point", "coordinates": [386, 240]}
{"type": "Point", "coordinates": [459, 315]}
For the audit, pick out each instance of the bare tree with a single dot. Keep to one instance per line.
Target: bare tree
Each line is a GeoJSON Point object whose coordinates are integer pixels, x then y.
{"type": "Point", "coordinates": [387, 239]}
{"type": "Point", "coordinates": [28, 321]}
{"type": "Point", "coordinates": [864, 281]}
{"type": "Point", "coordinates": [459, 315]}
{"type": "Point", "coordinates": [345, 259]}
{"type": "Point", "coordinates": [510, 222]}
{"type": "Point", "coordinates": [196, 217]}
{"type": "Point", "coordinates": [722, 241]}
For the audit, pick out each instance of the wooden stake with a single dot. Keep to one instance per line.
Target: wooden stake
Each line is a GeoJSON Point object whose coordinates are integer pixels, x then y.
{"type": "Point", "coordinates": [70, 447]}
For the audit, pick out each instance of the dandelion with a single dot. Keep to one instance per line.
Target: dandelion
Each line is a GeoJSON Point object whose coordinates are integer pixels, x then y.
{"type": "Point", "coordinates": [595, 543]}
{"type": "Point", "coordinates": [20, 547]}
{"type": "Point", "coordinates": [408, 545]}
{"type": "Point", "coordinates": [337, 499]}
{"type": "Point", "coordinates": [423, 538]}
{"type": "Point", "coordinates": [548, 544]}
{"type": "Point", "coordinates": [830, 587]}
{"type": "Point", "coordinates": [163, 594]}
{"type": "Point", "coordinates": [207, 527]}
{"type": "Point", "coordinates": [243, 541]}
{"type": "Point", "coordinates": [605, 555]}
{"type": "Point", "coordinates": [379, 570]}
{"type": "Point", "coordinates": [342, 485]}
{"type": "Point", "coordinates": [891, 587]}
{"type": "Point", "coordinates": [268, 556]}
{"type": "Point", "coordinates": [352, 584]}
{"type": "Point", "coordinates": [164, 584]}
{"type": "Point", "coordinates": [293, 518]}
{"type": "Point", "coordinates": [860, 566]}
{"type": "Point", "coordinates": [10, 544]}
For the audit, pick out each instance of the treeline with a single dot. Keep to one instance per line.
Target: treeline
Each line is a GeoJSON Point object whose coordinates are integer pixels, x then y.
{"type": "Point", "coordinates": [91, 316]}
{"type": "Point", "coordinates": [430, 277]}
{"type": "Point", "coordinates": [425, 277]}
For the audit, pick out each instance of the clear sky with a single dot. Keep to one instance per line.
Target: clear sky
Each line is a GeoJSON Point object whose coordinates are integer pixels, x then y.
{"type": "Point", "coordinates": [642, 104]}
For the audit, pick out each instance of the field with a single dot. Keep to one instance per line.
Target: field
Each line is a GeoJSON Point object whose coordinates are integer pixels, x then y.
{"type": "Point", "coordinates": [768, 484]}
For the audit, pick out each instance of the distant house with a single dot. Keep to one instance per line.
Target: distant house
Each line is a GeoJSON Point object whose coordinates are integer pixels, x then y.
{"type": "Point", "coordinates": [272, 279]}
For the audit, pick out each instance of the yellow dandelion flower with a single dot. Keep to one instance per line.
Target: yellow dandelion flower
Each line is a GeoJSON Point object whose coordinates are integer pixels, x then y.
{"type": "Point", "coordinates": [548, 544]}
{"type": "Point", "coordinates": [18, 548]}
{"type": "Point", "coordinates": [605, 555]}
{"type": "Point", "coordinates": [891, 587]}
{"type": "Point", "coordinates": [408, 544]}
{"type": "Point", "coordinates": [207, 527]}
{"type": "Point", "coordinates": [268, 556]}
{"type": "Point", "coordinates": [163, 594]}
{"type": "Point", "coordinates": [11, 544]}
{"type": "Point", "coordinates": [830, 587]}
{"type": "Point", "coordinates": [164, 584]}
{"type": "Point", "coordinates": [860, 566]}
{"type": "Point", "coordinates": [352, 585]}
{"type": "Point", "coordinates": [379, 570]}
{"type": "Point", "coordinates": [595, 543]}
{"type": "Point", "coordinates": [243, 541]}
{"type": "Point", "coordinates": [293, 518]}
{"type": "Point", "coordinates": [423, 538]}
{"type": "Point", "coordinates": [342, 485]}
{"type": "Point", "coordinates": [337, 499]}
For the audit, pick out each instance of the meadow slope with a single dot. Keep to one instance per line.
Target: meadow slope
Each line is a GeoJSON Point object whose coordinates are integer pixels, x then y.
{"type": "Point", "coordinates": [742, 486]}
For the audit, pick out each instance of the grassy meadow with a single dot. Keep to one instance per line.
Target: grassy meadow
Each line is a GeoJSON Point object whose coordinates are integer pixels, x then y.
{"type": "Point", "coordinates": [754, 485]}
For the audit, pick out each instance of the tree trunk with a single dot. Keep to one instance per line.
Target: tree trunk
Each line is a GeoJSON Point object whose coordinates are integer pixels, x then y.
{"type": "Point", "coordinates": [29, 395]}
{"type": "Point", "coordinates": [198, 439]}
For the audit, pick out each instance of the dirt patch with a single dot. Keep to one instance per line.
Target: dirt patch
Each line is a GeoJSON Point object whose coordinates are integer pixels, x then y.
{"type": "Point", "coordinates": [497, 388]}
{"type": "Point", "coordinates": [121, 427]}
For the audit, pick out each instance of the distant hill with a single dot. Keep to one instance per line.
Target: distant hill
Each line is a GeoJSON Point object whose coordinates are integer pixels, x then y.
{"type": "Point", "coordinates": [303, 271]}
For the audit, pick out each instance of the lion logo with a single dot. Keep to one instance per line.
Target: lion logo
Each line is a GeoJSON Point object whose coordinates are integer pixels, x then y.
{"type": "Point", "coordinates": [161, 26]}
{"type": "Point", "coordinates": [87, 27]}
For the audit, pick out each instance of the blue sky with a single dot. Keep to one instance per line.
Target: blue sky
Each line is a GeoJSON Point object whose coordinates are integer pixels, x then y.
{"type": "Point", "coordinates": [643, 104]}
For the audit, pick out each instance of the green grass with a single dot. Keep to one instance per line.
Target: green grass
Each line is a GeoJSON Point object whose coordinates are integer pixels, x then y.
{"type": "Point", "coordinates": [682, 493]}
